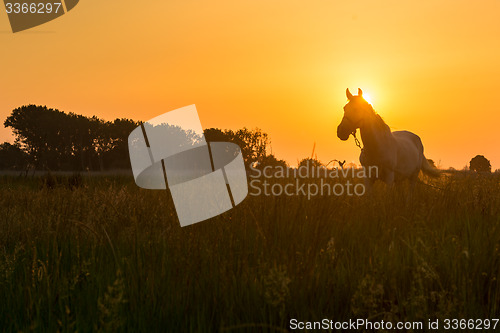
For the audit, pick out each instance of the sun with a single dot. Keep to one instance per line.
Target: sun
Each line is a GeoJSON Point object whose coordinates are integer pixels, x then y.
{"type": "Point", "coordinates": [367, 97]}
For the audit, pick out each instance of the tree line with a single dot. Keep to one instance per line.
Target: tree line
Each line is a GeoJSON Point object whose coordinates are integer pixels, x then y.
{"type": "Point", "coordinates": [50, 139]}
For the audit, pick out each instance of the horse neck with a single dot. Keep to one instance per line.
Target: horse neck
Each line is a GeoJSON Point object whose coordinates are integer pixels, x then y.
{"type": "Point", "coordinates": [376, 136]}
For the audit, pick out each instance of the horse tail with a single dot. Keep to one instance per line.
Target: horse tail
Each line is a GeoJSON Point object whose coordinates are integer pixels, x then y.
{"type": "Point", "coordinates": [428, 169]}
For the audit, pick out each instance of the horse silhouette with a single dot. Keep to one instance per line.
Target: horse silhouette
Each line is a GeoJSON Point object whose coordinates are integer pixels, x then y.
{"type": "Point", "coordinates": [398, 155]}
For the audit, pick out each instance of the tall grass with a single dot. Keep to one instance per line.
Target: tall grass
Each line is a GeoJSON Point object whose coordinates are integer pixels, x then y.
{"type": "Point", "coordinates": [108, 256]}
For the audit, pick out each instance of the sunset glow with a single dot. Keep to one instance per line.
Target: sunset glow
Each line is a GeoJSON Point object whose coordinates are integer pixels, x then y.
{"type": "Point", "coordinates": [367, 98]}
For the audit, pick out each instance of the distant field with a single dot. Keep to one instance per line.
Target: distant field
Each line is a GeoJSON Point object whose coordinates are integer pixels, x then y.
{"type": "Point", "coordinates": [99, 253]}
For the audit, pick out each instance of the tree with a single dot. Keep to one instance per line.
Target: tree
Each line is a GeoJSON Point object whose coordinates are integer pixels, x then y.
{"type": "Point", "coordinates": [116, 155]}
{"type": "Point", "coordinates": [256, 143]}
{"type": "Point", "coordinates": [12, 157]}
{"type": "Point", "coordinates": [253, 143]}
{"type": "Point", "coordinates": [35, 133]}
{"type": "Point", "coordinates": [480, 164]}
{"type": "Point", "coordinates": [217, 135]}
{"type": "Point", "coordinates": [310, 163]}
{"type": "Point", "coordinates": [271, 161]}
{"type": "Point", "coordinates": [55, 140]}
{"type": "Point", "coordinates": [314, 167]}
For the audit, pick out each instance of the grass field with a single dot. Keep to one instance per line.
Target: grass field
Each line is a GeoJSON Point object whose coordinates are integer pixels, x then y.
{"type": "Point", "coordinates": [104, 255]}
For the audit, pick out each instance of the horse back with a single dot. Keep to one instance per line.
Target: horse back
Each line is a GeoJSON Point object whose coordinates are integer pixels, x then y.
{"type": "Point", "coordinates": [405, 137]}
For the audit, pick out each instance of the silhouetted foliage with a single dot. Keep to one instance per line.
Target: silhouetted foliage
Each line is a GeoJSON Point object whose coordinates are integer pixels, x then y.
{"type": "Point", "coordinates": [480, 164]}
{"type": "Point", "coordinates": [54, 140]}
{"type": "Point", "coordinates": [50, 139]}
{"type": "Point", "coordinates": [12, 157]}
{"type": "Point", "coordinates": [432, 163]}
{"type": "Point", "coordinates": [310, 162]}
{"type": "Point", "coordinates": [314, 167]}
{"type": "Point", "coordinates": [253, 143]}
{"type": "Point", "coordinates": [271, 161]}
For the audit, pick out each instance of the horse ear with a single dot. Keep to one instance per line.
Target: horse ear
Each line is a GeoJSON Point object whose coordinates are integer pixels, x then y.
{"type": "Point", "coordinates": [360, 92]}
{"type": "Point", "coordinates": [348, 93]}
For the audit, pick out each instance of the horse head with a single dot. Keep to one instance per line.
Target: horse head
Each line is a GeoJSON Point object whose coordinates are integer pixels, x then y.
{"type": "Point", "coordinates": [354, 113]}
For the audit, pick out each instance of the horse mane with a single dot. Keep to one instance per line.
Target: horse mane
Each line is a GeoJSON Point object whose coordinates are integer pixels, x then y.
{"type": "Point", "coordinates": [378, 121]}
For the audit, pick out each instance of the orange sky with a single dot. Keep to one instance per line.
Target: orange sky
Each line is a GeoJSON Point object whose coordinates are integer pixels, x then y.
{"type": "Point", "coordinates": [431, 67]}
